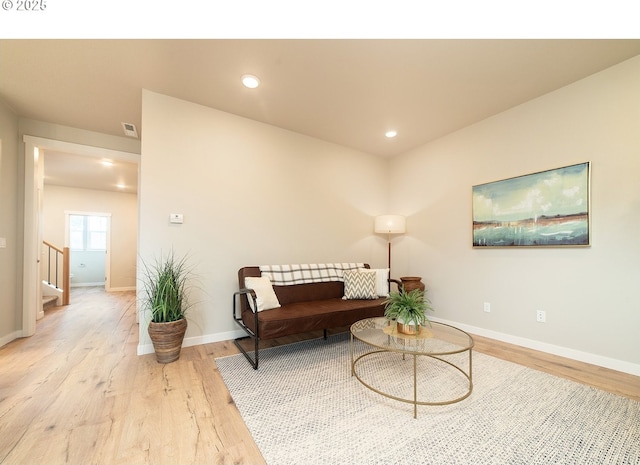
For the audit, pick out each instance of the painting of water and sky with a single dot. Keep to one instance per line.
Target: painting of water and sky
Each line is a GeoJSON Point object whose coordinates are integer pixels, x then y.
{"type": "Point", "coordinates": [549, 208]}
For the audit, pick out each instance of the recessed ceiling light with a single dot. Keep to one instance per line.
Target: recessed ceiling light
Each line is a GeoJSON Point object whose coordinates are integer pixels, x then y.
{"type": "Point", "coordinates": [391, 134]}
{"type": "Point", "coordinates": [250, 81]}
{"type": "Point", "coordinates": [107, 162]}
{"type": "Point", "coordinates": [120, 186]}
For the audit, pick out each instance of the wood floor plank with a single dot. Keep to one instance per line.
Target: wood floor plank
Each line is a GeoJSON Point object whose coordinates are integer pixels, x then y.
{"type": "Point", "coordinates": [76, 392]}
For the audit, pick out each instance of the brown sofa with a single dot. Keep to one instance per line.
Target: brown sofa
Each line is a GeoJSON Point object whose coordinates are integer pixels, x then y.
{"type": "Point", "coordinates": [304, 307]}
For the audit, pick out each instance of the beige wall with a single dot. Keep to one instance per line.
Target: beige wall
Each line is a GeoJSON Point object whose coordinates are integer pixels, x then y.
{"type": "Point", "coordinates": [124, 225]}
{"type": "Point", "coordinates": [10, 257]}
{"type": "Point", "coordinates": [589, 294]}
{"type": "Point", "coordinates": [250, 194]}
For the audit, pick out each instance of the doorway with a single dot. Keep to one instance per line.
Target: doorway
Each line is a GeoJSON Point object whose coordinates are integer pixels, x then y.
{"type": "Point", "coordinates": [34, 175]}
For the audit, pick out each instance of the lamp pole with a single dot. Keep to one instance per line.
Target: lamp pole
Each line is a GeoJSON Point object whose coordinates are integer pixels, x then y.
{"type": "Point", "coordinates": [390, 224]}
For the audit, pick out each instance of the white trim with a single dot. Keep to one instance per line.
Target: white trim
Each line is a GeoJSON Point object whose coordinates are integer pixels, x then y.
{"type": "Point", "coordinates": [599, 360]}
{"type": "Point", "coordinates": [10, 337]}
{"type": "Point", "coordinates": [81, 213]}
{"type": "Point", "coordinates": [31, 303]}
{"type": "Point", "coordinates": [594, 359]}
{"type": "Point", "coordinates": [144, 349]}
{"type": "Point", "coordinates": [85, 150]}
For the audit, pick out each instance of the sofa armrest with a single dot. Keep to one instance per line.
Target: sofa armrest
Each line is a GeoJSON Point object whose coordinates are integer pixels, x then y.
{"type": "Point", "coordinates": [252, 334]}
{"type": "Point", "coordinates": [396, 282]}
{"type": "Point", "coordinates": [242, 292]}
{"type": "Point", "coordinates": [238, 318]}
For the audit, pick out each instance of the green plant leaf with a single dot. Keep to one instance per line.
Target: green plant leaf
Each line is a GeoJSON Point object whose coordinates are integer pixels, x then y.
{"type": "Point", "coordinates": [165, 282]}
{"type": "Point", "coordinates": [407, 307]}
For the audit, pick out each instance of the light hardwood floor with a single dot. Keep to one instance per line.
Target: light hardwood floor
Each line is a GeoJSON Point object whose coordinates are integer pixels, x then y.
{"type": "Point", "coordinates": [77, 393]}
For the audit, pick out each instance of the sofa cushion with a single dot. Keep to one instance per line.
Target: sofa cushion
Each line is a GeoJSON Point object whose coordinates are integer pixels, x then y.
{"type": "Point", "coordinates": [266, 298]}
{"type": "Point", "coordinates": [301, 317]}
{"type": "Point", "coordinates": [360, 285]}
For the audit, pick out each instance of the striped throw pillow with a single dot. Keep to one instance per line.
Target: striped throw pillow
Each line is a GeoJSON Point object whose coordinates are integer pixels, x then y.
{"type": "Point", "coordinates": [359, 285]}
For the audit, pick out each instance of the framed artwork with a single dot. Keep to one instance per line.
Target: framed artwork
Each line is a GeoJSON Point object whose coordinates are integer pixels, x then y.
{"type": "Point", "coordinates": [545, 209]}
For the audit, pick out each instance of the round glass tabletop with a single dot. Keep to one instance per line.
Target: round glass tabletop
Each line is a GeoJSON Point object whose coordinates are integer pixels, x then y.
{"type": "Point", "coordinates": [433, 339]}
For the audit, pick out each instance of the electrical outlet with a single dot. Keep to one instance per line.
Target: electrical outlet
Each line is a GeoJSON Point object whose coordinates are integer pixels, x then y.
{"type": "Point", "coordinates": [487, 307]}
{"type": "Point", "coordinates": [541, 316]}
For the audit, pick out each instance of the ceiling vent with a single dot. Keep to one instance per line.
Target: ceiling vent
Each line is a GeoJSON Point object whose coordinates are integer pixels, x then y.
{"type": "Point", "coordinates": [130, 130]}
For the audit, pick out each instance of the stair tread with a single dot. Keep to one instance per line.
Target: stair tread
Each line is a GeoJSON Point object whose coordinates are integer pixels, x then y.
{"type": "Point", "coordinates": [49, 301]}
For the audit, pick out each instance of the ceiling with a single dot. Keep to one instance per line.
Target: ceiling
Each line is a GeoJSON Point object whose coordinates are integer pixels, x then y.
{"type": "Point", "coordinates": [89, 172]}
{"type": "Point", "coordinates": [347, 92]}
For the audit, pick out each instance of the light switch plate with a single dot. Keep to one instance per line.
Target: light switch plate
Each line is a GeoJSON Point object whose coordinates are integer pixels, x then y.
{"type": "Point", "coordinates": [176, 218]}
{"type": "Point", "coordinates": [3, 242]}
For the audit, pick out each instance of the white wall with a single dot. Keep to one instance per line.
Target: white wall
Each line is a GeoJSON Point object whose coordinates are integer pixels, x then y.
{"type": "Point", "coordinates": [250, 194]}
{"type": "Point", "coordinates": [124, 225]}
{"type": "Point", "coordinates": [88, 268]}
{"type": "Point", "coordinates": [589, 294]}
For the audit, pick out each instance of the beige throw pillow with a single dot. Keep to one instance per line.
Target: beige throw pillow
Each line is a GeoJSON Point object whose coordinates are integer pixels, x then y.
{"type": "Point", "coordinates": [266, 298]}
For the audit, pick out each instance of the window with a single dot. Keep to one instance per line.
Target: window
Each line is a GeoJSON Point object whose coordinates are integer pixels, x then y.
{"type": "Point", "coordinates": [87, 232]}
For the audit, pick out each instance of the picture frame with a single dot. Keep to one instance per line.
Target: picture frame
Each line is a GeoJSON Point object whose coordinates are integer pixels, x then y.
{"type": "Point", "coordinates": [545, 209]}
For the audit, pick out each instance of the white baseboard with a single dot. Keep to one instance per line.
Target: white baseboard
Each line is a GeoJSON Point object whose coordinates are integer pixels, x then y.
{"type": "Point", "coordinates": [144, 349]}
{"type": "Point", "coordinates": [606, 362]}
{"type": "Point", "coordinates": [10, 337]}
{"type": "Point", "coordinates": [196, 341]}
{"type": "Point", "coordinates": [599, 360]}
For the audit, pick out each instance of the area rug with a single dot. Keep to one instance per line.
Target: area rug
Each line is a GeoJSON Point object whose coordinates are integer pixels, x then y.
{"type": "Point", "coordinates": [303, 407]}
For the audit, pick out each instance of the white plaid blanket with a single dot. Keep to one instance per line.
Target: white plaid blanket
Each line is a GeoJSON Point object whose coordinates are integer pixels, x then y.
{"type": "Point", "coordinates": [285, 275]}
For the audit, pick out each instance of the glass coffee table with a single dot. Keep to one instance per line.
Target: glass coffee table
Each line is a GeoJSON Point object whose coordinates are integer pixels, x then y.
{"type": "Point", "coordinates": [438, 359]}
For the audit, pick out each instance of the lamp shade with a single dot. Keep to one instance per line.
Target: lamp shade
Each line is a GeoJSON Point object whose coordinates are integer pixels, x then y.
{"type": "Point", "coordinates": [390, 224]}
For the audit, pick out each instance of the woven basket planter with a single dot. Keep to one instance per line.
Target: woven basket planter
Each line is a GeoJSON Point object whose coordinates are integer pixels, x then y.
{"type": "Point", "coordinates": [167, 339]}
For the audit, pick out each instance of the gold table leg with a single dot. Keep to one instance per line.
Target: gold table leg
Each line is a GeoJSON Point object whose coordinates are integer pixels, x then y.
{"type": "Point", "coordinates": [415, 386]}
{"type": "Point", "coordinates": [413, 401]}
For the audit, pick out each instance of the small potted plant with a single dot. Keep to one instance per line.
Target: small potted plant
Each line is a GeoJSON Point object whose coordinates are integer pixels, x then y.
{"type": "Point", "coordinates": [407, 310]}
{"type": "Point", "coordinates": [165, 283]}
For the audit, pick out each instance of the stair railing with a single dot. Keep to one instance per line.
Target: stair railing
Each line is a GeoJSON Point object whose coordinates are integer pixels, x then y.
{"type": "Point", "coordinates": [58, 263]}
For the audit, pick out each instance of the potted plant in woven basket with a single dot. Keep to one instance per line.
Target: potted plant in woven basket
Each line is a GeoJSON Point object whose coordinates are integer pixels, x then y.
{"type": "Point", "coordinates": [407, 310]}
{"type": "Point", "coordinates": [166, 285]}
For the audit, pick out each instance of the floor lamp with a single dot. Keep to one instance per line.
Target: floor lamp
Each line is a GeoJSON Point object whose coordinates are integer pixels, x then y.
{"type": "Point", "coordinates": [390, 224]}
